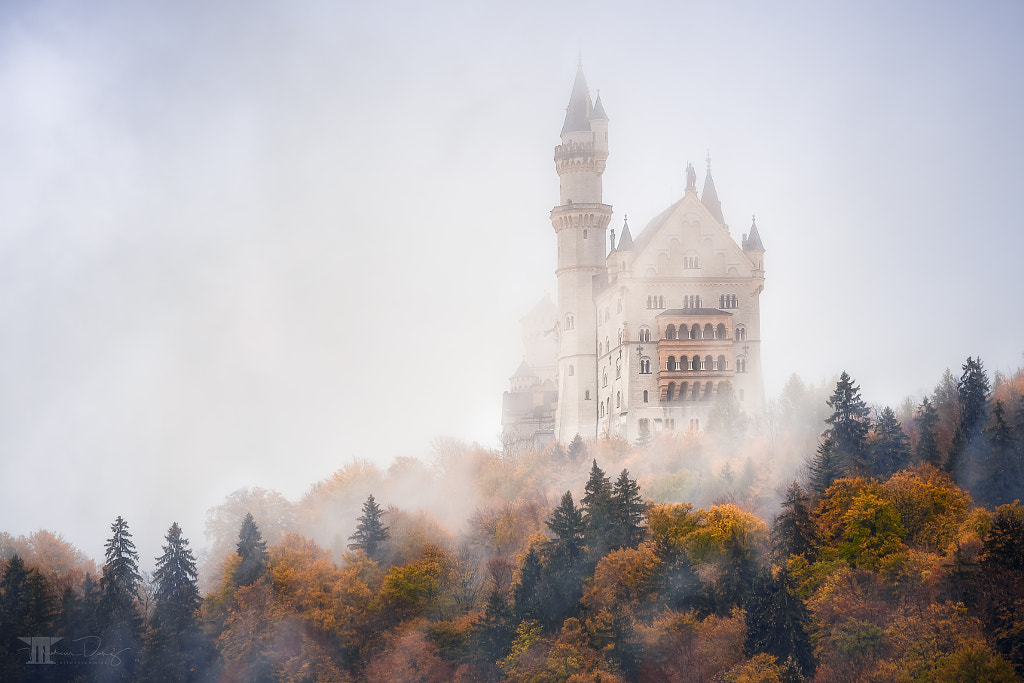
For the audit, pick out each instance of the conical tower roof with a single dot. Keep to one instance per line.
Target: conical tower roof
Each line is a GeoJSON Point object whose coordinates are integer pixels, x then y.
{"type": "Point", "coordinates": [598, 113]}
{"type": "Point", "coordinates": [752, 241]}
{"type": "Point", "coordinates": [577, 114]}
{"type": "Point", "coordinates": [626, 240]}
{"type": "Point", "coordinates": [709, 197]}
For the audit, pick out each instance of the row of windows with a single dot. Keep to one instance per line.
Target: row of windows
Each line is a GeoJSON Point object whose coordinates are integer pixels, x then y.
{"type": "Point", "coordinates": [728, 301]}
{"type": "Point", "coordinates": [690, 262]}
{"type": "Point", "coordinates": [696, 363]}
{"type": "Point", "coordinates": [686, 391]}
{"type": "Point", "coordinates": [695, 332]}
{"type": "Point", "coordinates": [692, 301]}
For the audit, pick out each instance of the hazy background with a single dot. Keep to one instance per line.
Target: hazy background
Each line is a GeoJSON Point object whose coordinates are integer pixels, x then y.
{"type": "Point", "coordinates": [244, 243]}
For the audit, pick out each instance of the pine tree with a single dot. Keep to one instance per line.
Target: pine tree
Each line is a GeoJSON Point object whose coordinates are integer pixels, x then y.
{"type": "Point", "coordinates": [849, 424]}
{"type": "Point", "coordinates": [1004, 470]}
{"type": "Point", "coordinates": [526, 591]}
{"type": "Point", "coordinates": [26, 609]}
{"type": "Point", "coordinates": [177, 594]}
{"type": "Point", "coordinates": [629, 510]}
{"type": "Point", "coordinates": [253, 551]}
{"type": "Point", "coordinates": [890, 448]}
{"type": "Point", "coordinates": [371, 533]}
{"type": "Point", "coordinates": [175, 648]}
{"type": "Point", "coordinates": [597, 512]}
{"type": "Point", "coordinates": [566, 524]}
{"type": "Point", "coordinates": [972, 395]}
{"type": "Point", "coordinates": [575, 448]}
{"type": "Point", "coordinates": [777, 621]}
{"type": "Point", "coordinates": [823, 469]}
{"type": "Point", "coordinates": [119, 618]}
{"type": "Point", "coordinates": [793, 532]}
{"type": "Point", "coordinates": [927, 450]}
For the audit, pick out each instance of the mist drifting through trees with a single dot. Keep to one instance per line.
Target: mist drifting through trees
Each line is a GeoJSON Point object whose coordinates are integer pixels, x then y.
{"type": "Point", "coordinates": [829, 540]}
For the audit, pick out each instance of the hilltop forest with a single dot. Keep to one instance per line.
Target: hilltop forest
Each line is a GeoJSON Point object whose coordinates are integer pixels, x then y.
{"type": "Point", "coordinates": [829, 540]}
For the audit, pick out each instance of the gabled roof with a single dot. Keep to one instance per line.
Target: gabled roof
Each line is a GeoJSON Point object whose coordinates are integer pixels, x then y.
{"type": "Point", "coordinates": [577, 114]}
{"type": "Point", "coordinates": [524, 371]}
{"type": "Point", "coordinates": [752, 241]}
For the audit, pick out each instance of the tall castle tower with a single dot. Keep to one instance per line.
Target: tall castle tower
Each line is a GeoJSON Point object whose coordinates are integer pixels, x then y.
{"type": "Point", "coordinates": [580, 222]}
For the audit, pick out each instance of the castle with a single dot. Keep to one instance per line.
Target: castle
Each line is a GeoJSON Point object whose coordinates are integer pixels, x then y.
{"type": "Point", "coordinates": [646, 331]}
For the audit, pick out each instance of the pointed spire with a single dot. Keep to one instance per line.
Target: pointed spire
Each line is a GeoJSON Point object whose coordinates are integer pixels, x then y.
{"type": "Point", "coordinates": [709, 197]}
{"type": "Point", "coordinates": [752, 240]}
{"type": "Point", "coordinates": [577, 114]}
{"type": "Point", "coordinates": [626, 239]}
{"type": "Point", "coordinates": [598, 114]}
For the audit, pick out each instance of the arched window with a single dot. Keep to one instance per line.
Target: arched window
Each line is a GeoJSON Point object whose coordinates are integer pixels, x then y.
{"type": "Point", "coordinates": [696, 391]}
{"type": "Point", "coordinates": [645, 396]}
{"type": "Point", "coordinates": [682, 391]}
{"type": "Point", "coordinates": [604, 378]}
{"type": "Point", "coordinates": [572, 371]}
{"type": "Point", "coordinates": [709, 331]}
{"type": "Point", "coordinates": [648, 302]}
{"type": "Point", "coordinates": [620, 336]}
{"type": "Point", "coordinates": [684, 363]}
{"type": "Point", "coordinates": [722, 363]}
{"type": "Point", "coordinates": [708, 390]}
{"type": "Point", "coordinates": [708, 363]}
{"type": "Point", "coordinates": [602, 409]}
{"type": "Point", "coordinates": [670, 391]}
{"type": "Point", "coordinates": [645, 334]}
{"type": "Point", "coordinates": [695, 331]}
{"type": "Point", "coordinates": [661, 302]}
{"type": "Point", "coordinates": [618, 368]}
{"type": "Point", "coordinates": [600, 349]}
{"type": "Point", "coordinates": [720, 332]}
{"type": "Point", "coordinates": [741, 333]}
{"type": "Point", "coordinates": [671, 364]}
{"type": "Point", "coordinates": [570, 321]}
{"type": "Point", "coordinates": [618, 399]}
{"type": "Point", "coordinates": [609, 406]}
{"type": "Point", "coordinates": [670, 332]}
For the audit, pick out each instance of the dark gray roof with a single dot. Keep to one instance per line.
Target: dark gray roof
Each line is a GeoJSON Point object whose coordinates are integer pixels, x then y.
{"type": "Point", "coordinates": [709, 197]}
{"type": "Point", "coordinates": [598, 113]}
{"type": "Point", "coordinates": [752, 241]}
{"type": "Point", "coordinates": [693, 311]}
{"type": "Point", "coordinates": [626, 239]}
{"type": "Point", "coordinates": [577, 114]}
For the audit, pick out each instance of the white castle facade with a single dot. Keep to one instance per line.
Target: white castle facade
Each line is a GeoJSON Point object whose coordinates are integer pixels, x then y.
{"type": "Point", "coordinates": [646, 331]}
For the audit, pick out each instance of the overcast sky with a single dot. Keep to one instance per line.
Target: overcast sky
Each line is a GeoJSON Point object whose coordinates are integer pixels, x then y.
{"type": "Point", "coordinates": [244, 243]}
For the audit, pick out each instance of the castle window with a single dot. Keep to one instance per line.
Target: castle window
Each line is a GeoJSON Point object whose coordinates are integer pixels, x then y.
{"type": "Point", "coordinates": [670, 332]}
{"type": "Point", "coordinates": [684, 363]}
{"type": "Point", "coordinates": [695, 333]}
{"type": "Point", "coordinates": [670, 391]}
{"type": "Point", "coordinates": [584, 233]}
{"type": "Point", "coordinates": [618, 399]}
{"type": "Point", "coordinates": [604, 378]}
{"type": "Point", "coordinates": [671, 365]}
{"type": "Point", "coordinates": [723, 364]}
{"type": "Point", "coordinates": [709, 332]}
{"type": "Point", "coordinates": [600, 349]}
{"type": "Point", "coordinates": [645, 366]}
{"type": "Point", "coordinates": [620, 337]}
{"type": "Point", "coordinates": [720, 332]}
{"type": "Point", "coordinates": [570, 321]}
{"type": "Point", "coordinates": [645, 396]}
{"type": "Point", "coordinates": [645, 334]}
{"type": "Point", "coordinates": [661, 302]}
{"type": "Point", "coordinates": [741, 333]}
{"type": "Point", "coordinates": [618, 368]}
{"type": "Point", "coordinates": [602, 409]}
{"type": "Point", "coordinates": [649, 302]}
{"type": "Point", "coordinates": [609, 406]}
{"type": "Point", "coordinates": [708, 363]}
{"type": "Point", "coordinates": [586, 395]}
{"type": "Point", "coordinates": [572, 371]}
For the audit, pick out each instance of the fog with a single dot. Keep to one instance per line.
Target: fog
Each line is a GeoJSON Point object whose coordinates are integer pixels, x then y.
{"type": "Point", "coordinates": [246, 244]}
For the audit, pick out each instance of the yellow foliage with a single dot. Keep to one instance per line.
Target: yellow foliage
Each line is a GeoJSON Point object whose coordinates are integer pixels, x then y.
{"type": "Point", "coordinates": [624, 578]}
{"type": "Point", "coordinates": [761, 668]}
{"type": "Point", "coordinates": [717, 526]}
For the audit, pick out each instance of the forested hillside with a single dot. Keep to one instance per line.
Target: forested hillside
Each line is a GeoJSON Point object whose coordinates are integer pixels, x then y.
{"type": "Point", "coordinates": [830, 540]}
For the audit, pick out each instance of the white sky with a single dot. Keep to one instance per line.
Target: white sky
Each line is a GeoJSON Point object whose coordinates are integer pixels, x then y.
{"type": "Point", "coordinates": [243, 243]}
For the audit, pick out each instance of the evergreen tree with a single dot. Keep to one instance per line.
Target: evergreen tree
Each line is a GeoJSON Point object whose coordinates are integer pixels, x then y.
{"type": "Point", "coordinates": [575, 448]}
{"type": "Point", "coordinates": [793, 532]}
{"type": "Point", "coordinates": [972, 397]}
{"type": "Point", "coordinates": [1004, 467]}
{"type": "Point", "coordinates": [371, 533]}
{"type": "Point", "coordinates": [526, 591]}
{"type": "Point", "coordinates": [26, 609]}
{"type": "Point", "coordinates": [629, 510]}
{"type": "Point", "coordinates": [598, 512]}
{"type": "Point", "coordinates": [890, 448]}
{"type": "Point", "coordinates": [824, 468]}
{"type": "Point", "coordinates": [253, 551]}
{"type": "Point", "coordinates": [119, 618]}
{"type": "Point", "coordinates": [777, 621]}
{"type": "Point", "coordinates": [177, 594]}
{"type": "Point", "coordinates": [176, 648]}
{"type": "Point", "coordinates": [849, 425]}
{"type": "Point", "coordinates": [927, 450]}
{"type": "Point", "coordinates": [567, 524]}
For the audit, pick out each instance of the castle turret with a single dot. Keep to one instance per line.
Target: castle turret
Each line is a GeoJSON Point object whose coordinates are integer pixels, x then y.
{"type": "Point", "coordinates": [580, 222]}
